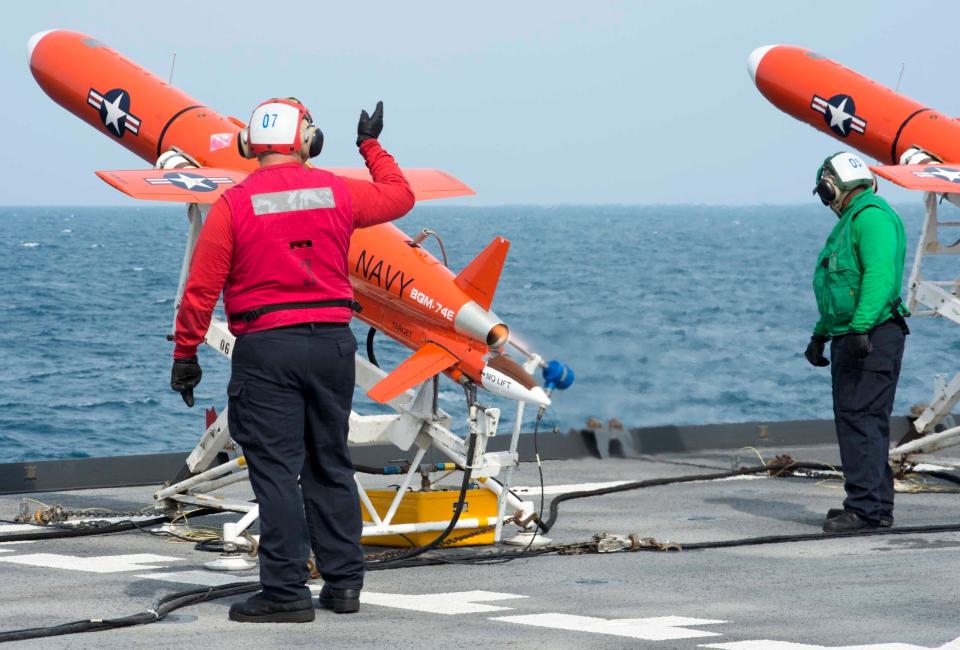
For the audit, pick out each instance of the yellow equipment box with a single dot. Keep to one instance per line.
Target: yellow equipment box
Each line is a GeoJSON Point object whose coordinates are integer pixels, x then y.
{"type": "Point", "coordinates": [433, 505]}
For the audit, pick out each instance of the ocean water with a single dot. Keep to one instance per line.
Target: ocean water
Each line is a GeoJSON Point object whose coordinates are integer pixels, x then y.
{"type": "Point", "coordinates": [668, 315]}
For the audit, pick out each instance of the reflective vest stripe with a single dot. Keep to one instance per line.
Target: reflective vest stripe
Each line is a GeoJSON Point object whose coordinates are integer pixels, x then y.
{"type": "Point", "coordinates": [291, 231]}
{"type": "Point", "coordinates": [292, 200]}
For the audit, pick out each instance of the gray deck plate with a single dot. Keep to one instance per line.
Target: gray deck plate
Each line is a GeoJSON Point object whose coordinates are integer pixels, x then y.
{"type": "Point", "coordinates": [835, 593]}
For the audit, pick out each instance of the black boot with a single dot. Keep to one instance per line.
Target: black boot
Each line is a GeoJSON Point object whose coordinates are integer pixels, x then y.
{"type": "Point", "coordinates": [846, 522]}
{"type": "Point", "coordinates": [258, 609]}
{"type": "Point", "coordinates": [341, 601]}
{"type": "Point", "coordinates": [886, 521]}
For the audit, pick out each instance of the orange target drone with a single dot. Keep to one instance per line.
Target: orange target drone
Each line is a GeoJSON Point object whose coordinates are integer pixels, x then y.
{"type": "Point", "coordinates": [403, 290]}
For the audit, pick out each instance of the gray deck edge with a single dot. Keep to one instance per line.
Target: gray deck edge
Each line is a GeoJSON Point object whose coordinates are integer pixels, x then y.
{"type": "Point", "coordinates": [601, 440]}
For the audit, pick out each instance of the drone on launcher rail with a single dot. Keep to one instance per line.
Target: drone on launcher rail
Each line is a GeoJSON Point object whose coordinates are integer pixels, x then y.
{"type": "Point", "coordinates": [404, 291]}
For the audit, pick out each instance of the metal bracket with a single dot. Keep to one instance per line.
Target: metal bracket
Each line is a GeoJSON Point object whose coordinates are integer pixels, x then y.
{"type": "Point", "coordinates": [937, 298]}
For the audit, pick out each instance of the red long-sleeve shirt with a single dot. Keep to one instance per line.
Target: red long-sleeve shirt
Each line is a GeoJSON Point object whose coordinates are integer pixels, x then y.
{"type": "Point", "coordinates": [387, 198]}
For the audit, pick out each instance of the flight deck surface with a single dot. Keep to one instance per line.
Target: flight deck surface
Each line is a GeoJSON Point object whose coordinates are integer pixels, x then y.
{"type": "Point", "coordinates": [886, 591]}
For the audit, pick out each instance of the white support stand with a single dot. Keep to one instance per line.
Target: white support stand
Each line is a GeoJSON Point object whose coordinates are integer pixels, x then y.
{"type": "Point", "coordinates": [196, 213]}
{"type": "Point", "coordinates": [529, 536]}
{"type": "Point", "coordinates": [414, 423]}
{"type": "Point", "coordinates": [928, 444]}
{"type": "Point", "coordinates": [945, 397]}
{"type": "Point", "coordinates": [936, 298]}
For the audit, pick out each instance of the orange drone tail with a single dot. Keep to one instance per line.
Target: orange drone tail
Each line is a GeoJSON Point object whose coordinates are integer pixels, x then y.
{"type": "Point", "coordinates": [480, 277]}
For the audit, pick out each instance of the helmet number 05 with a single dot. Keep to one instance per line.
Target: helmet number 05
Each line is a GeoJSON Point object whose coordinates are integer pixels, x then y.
{"type": "Point", "coordinates": [853, 161]}
{"type": "Point", "coordinates": [267, 122]}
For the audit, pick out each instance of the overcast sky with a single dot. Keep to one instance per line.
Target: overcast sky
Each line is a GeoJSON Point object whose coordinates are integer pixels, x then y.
{"type": "Point", "coordinates": [528, 102]}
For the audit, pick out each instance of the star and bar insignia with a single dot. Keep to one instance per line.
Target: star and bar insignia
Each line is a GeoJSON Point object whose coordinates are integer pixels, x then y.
{"type": "Point", "coordinates": [949, 174]}
{"type": "Point", "coordinates": [840, 114]}
{"type": "Point", "coordinates": [114, 108]}
{"type": "Point", "coordinates": [188, 181]}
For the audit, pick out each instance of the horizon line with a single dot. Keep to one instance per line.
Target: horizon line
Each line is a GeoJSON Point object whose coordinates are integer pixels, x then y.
{"type": "Point", "coordinates": [166, 204]}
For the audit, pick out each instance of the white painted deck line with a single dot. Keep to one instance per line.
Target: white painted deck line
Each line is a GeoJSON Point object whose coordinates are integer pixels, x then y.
{"type": "Point", "coordinates": [18, 528]}
{"type": "Point", "coordinates": [4, 546]}
{"type": "Point", "coordinates": [456, 602]}
{"type": "Point", "coordinates": [766, 644]}
{"type": "Point", "coordinates": [97, 564]}
{"type": "Point", "coordinates": [659, 628]}
{"type": "Point", "coordinates": [451, 603]}
{"type": "Point", "coordinates": [202, 578]}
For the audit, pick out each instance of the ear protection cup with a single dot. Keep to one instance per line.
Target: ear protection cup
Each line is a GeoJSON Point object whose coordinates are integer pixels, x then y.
{"type": "Point", "coordinates": [243, 143]}
{"type": "Point", "coordinates": [311, 139]}
{"type": "Point", "coordinates": [826, 189]}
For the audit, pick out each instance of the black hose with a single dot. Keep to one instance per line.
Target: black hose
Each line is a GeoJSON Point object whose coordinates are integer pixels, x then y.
{"type": "Point", "coordinates": [636, 485]}
{"type": "Point", "coordinates": [539, 514]}
{"type": "Point", "coordinates": [458, 508]}
{"type": "Point", "coordinates": [163, 607]}
{"type": "Point", "coordinates": [175, 601]}
{"type": "Point", "coordinates": [373, 469]}
{"type": "Point", "coordinates": [808, 537]}
{"type": "Point", "coordinates": [759, 469]}
{"type": "Point", "coordinates": [370, 354]}
{"type": "Point", "coordinates": [479, 558]}
{"type": "Point", "coordinates": [577, 548]}
{"type": "Point", "coordinates": [118, 527]}
{"type": "Point", "coordinates": [943, 476]}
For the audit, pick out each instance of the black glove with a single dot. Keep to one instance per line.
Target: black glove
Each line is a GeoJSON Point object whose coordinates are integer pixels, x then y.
{"type": "Point", "coordinates": [814, 351]}
{"type": "Point", "coordinates": [370, 126]}
{"type": "Point", "coordinates": [184, 377]}
{"type": "Point", "coordinates": [859, 345]}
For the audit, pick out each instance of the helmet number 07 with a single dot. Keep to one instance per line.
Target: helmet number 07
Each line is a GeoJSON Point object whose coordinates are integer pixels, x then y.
{"type": "Point", "coordinates": [267, 122]}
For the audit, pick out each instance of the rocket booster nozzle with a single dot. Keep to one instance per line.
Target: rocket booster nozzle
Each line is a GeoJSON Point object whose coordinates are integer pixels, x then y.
{"type": "Point", "coordinates": [481, 325]}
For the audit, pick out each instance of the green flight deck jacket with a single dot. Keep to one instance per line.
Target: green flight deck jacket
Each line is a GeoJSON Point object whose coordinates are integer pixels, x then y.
{"type": "Point", "coordinates": [859, 272]}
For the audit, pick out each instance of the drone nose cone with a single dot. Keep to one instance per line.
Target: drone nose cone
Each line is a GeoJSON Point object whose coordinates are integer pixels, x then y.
{"type": "Point", "coordinates": [505, 377]}
{"type": "Point", "coordinates": [32, 43]}
{"type": "Point", "coordinates": [753, 61]}
{"type": "Point", "coordinates": [539, 396]}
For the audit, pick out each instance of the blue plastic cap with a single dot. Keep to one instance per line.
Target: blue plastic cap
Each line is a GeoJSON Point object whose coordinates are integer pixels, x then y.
{"type": "Point", "coordinates": [558, 376]}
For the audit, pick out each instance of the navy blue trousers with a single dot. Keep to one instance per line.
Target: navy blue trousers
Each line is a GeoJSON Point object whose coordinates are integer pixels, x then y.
{"type": "Point", "coordinates": [863, 394]}
{"type": "Point", "coordinates": [291, 391]}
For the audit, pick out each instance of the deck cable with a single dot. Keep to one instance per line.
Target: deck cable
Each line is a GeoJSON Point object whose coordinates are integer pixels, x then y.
{"type": "Point", "coordinates": [62, 531]}
{"type": "Point", "coordinates": [172, 602]}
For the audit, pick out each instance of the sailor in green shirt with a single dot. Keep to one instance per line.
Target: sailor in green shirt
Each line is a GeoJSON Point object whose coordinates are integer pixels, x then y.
{"type": "Point", "coordinates": [857, 283]}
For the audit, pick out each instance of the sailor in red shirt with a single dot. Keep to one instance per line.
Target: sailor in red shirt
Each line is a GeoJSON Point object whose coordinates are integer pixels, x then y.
{"type": "Point", "coordinates": [276, 246]}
